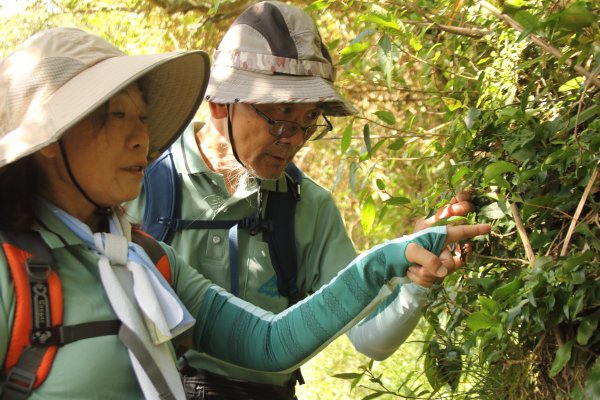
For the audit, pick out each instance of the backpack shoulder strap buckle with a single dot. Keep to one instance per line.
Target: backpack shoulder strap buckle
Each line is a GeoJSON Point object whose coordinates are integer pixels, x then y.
{"type": "Point", "coordinates": [38, 269]}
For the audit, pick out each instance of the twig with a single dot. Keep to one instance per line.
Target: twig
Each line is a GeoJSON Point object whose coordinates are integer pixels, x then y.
{"type": "Point", "coordinates": [539, 41]}
{"type": "Point", "coordinates": [522, 233]}
{"type": "Point", "coordinates": [584, 197]}
{"type": "Point", "coordinates": [501, 258]}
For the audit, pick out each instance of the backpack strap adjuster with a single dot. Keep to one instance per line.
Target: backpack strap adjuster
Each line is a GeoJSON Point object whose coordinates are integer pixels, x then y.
{"type": "Point", "coordinates": [254, 225]}
{"type": "Point", "coordinates": [19, 382]}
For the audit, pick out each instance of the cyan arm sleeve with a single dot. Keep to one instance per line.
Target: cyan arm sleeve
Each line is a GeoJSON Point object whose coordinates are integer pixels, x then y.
{"type": "Point", "coordinates": [240, 333]}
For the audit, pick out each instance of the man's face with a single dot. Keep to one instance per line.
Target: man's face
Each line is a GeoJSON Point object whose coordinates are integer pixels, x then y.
{"type": "Point", "coordinates": [265, 155]}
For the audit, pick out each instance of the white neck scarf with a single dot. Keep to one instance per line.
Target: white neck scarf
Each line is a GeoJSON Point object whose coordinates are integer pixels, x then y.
{"type": "Point", "coordinates": [141, 298]}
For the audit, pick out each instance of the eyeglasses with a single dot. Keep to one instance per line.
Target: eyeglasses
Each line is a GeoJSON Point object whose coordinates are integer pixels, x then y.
{"type": "Point", "coordinates": [286, 129]}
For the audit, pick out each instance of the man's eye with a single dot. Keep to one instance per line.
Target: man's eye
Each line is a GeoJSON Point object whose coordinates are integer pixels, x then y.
{"type": "Point", "coordinates": [144, 118]}
{"type": "Point", "coordinates": [313, 115]}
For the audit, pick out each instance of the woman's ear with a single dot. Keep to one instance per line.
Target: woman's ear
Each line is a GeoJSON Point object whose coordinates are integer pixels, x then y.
{"type": "Point", "coordinates": [217, 111]}
{"type": "Point", "coordinates": [50, 151]}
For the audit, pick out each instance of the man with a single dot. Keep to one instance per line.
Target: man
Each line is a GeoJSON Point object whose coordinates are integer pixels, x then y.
{"type": "Point", "coordinates": [271, 90]}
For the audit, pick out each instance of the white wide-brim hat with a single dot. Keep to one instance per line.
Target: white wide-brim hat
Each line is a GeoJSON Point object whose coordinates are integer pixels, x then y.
{"type": "Point", "coordinates": [273, 53]}
{"type": "Point", "coordinates": [61, 75]}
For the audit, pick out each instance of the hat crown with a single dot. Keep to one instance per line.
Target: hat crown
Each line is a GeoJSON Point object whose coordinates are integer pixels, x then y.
{"type": "Point", "coordinates": [44, 63]}
{"type": "Point", "coordinates": [277, 29]}
{"type": "Point", "coordinates": [275, 38]}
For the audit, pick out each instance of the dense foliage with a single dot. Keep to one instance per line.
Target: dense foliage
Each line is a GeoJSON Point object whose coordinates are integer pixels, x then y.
{"type": "Point", "coordinates": [454, 94]}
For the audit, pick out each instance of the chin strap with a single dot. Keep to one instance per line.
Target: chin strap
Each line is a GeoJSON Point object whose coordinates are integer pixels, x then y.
{"type": "Point", "coordinates": [105, 211]}
{"type": "Point", "coordinates": [231, 141]}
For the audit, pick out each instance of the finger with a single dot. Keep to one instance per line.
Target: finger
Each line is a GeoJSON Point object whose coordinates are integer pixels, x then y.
{"type": "Point", "coordinates": [416, 254]}
{"type": "Point", "coordinates": [460, 232]}
{"type": "Point", "coordinates": [448, 261]}
{"type": "Point", "coordinates": [413, 273]}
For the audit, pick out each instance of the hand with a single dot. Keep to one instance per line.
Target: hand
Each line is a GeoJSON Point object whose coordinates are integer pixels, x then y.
{"type": "Point", "coordinates": [429, 268]}
{"type": "Point", "coordinates": [459, 206]}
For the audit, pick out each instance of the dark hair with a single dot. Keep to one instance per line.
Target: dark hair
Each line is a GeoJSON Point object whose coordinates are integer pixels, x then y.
{"type": "Point", "coordinates": [20, 186]}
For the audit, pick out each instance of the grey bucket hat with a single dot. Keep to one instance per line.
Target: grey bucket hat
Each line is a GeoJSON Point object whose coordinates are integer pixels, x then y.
{"type": "Point", "coordinates": [273, 53]}
{"type": "Point", "coordinates": [59, 76]}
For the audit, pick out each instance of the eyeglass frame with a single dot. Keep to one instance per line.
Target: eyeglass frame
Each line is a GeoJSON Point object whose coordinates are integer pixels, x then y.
{"type": "Point", "coordinates": [272, 122]}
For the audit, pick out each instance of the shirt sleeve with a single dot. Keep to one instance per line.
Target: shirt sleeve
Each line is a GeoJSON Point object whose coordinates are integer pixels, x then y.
{"type": "Point", "coordinates": [238, 332]}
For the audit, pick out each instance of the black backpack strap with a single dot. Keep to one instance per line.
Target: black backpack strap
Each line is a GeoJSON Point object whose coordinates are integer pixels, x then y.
{"type": "Point", "coordinates": [281, 211]}
{"type": "Point", "coordinates": [162, 190]}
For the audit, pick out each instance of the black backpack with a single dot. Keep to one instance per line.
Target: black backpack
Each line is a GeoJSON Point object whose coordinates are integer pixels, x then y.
{"type": "Point", "coordinates": [162, 218]}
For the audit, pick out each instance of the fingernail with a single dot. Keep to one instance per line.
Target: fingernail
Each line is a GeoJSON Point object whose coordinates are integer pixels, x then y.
{"type": "Point", "coordinates": [442, 271]}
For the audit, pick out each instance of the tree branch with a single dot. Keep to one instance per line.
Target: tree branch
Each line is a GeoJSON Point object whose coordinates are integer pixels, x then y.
{"type": "Point", "coordinates": [584, 197]}
{"type": "Point", "coordinates": [522, 233]}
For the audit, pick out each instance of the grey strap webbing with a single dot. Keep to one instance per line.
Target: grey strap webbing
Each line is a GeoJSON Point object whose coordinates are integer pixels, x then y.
{"type": "Point", "coordinates": [135, 345]}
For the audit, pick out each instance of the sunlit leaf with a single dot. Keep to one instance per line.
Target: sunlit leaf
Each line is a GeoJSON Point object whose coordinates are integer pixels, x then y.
{"type": "Point", "coordinates": [479, 320]}
{"type": "Point", "coordinates": [367, 214]}
{"type": "Point", "coordinates": [572, 84]}
{"type": "Point", "coordinates": [452, 104]}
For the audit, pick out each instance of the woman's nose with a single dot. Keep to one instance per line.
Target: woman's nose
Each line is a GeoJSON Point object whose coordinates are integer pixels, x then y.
{"type": "Point", "coordinates": [140, 137]}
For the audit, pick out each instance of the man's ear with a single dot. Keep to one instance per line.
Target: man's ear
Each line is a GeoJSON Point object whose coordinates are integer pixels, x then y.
{"type": "Point", "coordinates": [217, 111]}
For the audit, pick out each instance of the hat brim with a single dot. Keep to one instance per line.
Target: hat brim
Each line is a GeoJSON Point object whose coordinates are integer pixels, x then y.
{"type": "Point", "coordinates": [231, 85]}
{"type": "Point", "coordinates": [173, 85]}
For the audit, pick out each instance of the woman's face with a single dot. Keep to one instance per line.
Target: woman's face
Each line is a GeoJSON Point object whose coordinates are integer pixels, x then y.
{"type": "Point", "coordinates": [108, 157]}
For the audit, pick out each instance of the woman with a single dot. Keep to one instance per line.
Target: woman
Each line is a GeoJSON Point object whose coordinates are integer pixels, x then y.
{"type": "Point", "coordinates": [79, 122]}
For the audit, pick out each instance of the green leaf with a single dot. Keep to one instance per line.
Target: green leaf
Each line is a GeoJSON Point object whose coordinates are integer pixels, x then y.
{"type": "Point", "coordinates": [450, 220]}
{"type": "Point", "coordinates": [390, 22]}
{"type": "Point", "coordinates": [471, 117]}
{"type": "Point", "coordinates": [415, 43]}
{"type": "Point", "coordinates": [562, 357]}
{"type": "Point", "coordinates": [505, 291]}
{"type": "Point", "coordinates": [586, 329]}
{"type": "Point", "coordinates": [352, 51]}
{"type": "Point", "coordinates": [348, 375]}
{"type": "Point", "coordinates": [527, 20]}
{"type": "Point", "coordinates": [397, 144]}
{"type": "Point", "coordinates": [488, 305]}
{"type": "Point", "coordinates": [592, 384]}
{"type": "Point", "coordinates": [572, 84]}
{"type": "Point", "coordinates": [458, 175]}
{"type": "Point", "coordinates": [386, 117]}
{"type": "Point", "coordinates": [452, 104]}
{"type": "Point", "coordinates": [367, 138]}
{"type": "Point", "coordinates": [495, 170]}
{"type": "Point", "coordinates": [479, 320]}
{"type": "Point", "coordinates": [397, 201]}
{"type": "Point", "coordinates": [492, 211]}
{"type": "Point", "coordinates": [576, 17]}
{"type": "Point", "coordinates": [380, 184]}
{"type": "Point", "coordinates": [367, 215]}
{"type": "Point", "coordinates": [346, 138]}
{"type": "Point", "coordinates": [386, 58]}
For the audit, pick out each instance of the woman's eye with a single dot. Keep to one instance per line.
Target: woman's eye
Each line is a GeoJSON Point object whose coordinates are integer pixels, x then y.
{"type": "Point", "coordinates": [118, 114]}
{"type": "Point", "coordinates": [144, 118]}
